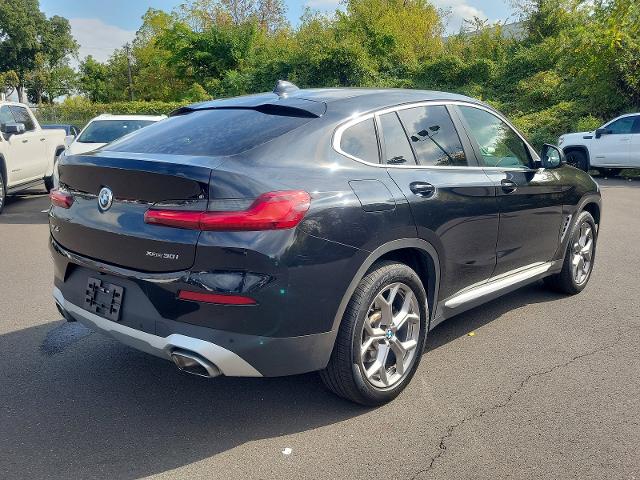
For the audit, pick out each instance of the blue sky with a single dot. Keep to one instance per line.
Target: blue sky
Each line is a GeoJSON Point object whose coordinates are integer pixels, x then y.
{"type": "Point", "coordinates": [100, 26]}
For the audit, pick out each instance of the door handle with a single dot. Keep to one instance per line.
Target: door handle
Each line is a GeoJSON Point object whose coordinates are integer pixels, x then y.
{"type": "Point", "coordinates": [422, 189]}
{"type": "Point", "coordinates": [26, 140]}
{"type": "Point", "coordinates": [42, 139]}
{"type": "Point", "coordinates": [508, 186]}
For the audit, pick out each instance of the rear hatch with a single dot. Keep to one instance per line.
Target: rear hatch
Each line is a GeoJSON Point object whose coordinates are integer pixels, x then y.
{"type": "Point", "coordinates": [166, 165]}
{"type": "Point", "coordinates": [118, 235]}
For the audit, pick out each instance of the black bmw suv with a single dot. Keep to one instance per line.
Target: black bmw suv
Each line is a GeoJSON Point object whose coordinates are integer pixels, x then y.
{"type": "Point", "coordinates": [305, 230]}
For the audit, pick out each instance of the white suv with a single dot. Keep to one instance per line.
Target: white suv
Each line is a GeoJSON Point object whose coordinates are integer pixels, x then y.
{"type": "Point", "coordinates": [609, 149]}
{"type": "Point", "coordinates": [107, 128]}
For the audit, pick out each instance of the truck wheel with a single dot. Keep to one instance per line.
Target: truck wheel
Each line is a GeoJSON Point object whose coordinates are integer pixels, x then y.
{"type": "Point", "coordinates": [3, 192]}
{"type": "Point", "coordinates": [48, 183]}
{"type": "Point", "coordinates": [381, 337]}
{"type": "Point", "coordinates": [578, 159]}
{"type": "Point", "coordinates": [578, 259]}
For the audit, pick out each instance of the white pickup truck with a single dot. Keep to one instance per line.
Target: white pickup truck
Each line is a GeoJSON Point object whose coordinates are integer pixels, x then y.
{"type": "Point", "coordinates": [609, 149]}
{"type": "Point", "coordinates": [27, 152]}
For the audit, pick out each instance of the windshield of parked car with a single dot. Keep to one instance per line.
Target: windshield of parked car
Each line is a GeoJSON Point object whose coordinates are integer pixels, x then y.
{"type": "Point", "coordinates": [106, 131]}
{"type": "Point", "coordinates": [211, 132]}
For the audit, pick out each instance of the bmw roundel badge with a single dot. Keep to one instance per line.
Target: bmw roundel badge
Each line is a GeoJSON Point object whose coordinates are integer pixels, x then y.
{"type": "Point", "coordinates": [105, 199]}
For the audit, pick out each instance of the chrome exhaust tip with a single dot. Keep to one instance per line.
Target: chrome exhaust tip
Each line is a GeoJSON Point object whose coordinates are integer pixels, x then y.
{"type": "Point", "coordinates": [194, 364]}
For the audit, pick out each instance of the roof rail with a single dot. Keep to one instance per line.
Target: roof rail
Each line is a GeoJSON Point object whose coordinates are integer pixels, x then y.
{"type": "Point", "coordinates": [283, 87]}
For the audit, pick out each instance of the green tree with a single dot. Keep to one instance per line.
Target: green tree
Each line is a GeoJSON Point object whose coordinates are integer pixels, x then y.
{"type": "Point", "coordinates": [34, 47]}
{"type": "Point", "coordinates": [21, 25]}
{"type": "Point", "coordinates": [9, 81]}
{"type": "Point", "coordinates": [93, 80]}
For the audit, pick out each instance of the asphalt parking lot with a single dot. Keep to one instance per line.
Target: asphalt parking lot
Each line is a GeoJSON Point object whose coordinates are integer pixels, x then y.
{"type": "Point", "coordinates": [533, 385]}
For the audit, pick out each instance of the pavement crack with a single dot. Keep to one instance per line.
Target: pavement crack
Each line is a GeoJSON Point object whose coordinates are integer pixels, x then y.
{"type": "Point", "coordinates": [450, 430]}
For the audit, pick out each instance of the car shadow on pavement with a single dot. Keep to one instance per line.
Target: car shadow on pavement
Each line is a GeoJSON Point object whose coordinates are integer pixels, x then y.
{"type": "Point", "coordinates": [27, 208]}
{"type": "Point", "coordinates": [75, 404]}
{"type": "Point", "coordinates": [78, 405]}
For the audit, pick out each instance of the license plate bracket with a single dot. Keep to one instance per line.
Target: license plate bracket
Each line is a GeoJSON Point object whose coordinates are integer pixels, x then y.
{"type": "Point", "coordinates": [103, 299]}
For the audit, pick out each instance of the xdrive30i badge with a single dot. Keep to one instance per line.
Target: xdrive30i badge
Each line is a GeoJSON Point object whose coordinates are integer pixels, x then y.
{"type": "Point", "coordinates": [105, 199]}
{"type": "Point", "coordinates": [164, 256]}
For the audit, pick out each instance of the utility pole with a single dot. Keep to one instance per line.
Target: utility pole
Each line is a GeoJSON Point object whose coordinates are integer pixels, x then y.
{"type": "Point", "coordinates": [126, 48]}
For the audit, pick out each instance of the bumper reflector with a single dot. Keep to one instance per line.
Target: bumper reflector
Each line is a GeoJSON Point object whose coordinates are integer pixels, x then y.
{"type": "Point", "coordinates": [217, 298]}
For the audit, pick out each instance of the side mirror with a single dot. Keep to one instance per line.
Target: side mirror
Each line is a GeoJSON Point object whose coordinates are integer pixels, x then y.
{"type": "Point", "coordinates": [551, 156]}
{"type": "Point", "coordinates": [602, 131]}
{"type": "Point", "coordinates": [13, 129]}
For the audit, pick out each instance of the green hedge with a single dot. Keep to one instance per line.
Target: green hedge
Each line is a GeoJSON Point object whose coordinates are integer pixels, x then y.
{"type": "Point", "coordinates": [78, 111]}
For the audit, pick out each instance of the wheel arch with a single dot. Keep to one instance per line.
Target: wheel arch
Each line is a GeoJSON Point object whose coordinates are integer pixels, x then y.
{"type": "Point", "coordinates": [419, 254]}
{"type": "Point", "coordinates": [594, 209]}
{"type": "Point", "coordinates": [580, 148]}
{"type": "Point", "coordinates": [58, 150]}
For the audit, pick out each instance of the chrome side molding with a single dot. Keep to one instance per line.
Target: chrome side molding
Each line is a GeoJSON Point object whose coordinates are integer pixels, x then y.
{"type": "Point", "coordinates": [496, 284]}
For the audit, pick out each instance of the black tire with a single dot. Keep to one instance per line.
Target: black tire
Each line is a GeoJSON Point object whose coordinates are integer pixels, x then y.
{"type": "Point", "coordinates": [48, 183]}
{"type": "Point", "coordinates": [345, 374]}
{"type": "Point", "coordinates": [565, 281]}
{"type": "Point", "coordinates": [3, 192]}
{"type": "Point", "coordinates": [578, 159]}
{"type": "Point", "coordinates": [608, 172]}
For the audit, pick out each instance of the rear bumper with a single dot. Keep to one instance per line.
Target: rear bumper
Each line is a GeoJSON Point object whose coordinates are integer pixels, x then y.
{"type": "Point", "coordinates": [241, 355]}
{"type": "Point", "coordinates": [262, 339]}
{"type": "Point", "coordinates": [227, 362]}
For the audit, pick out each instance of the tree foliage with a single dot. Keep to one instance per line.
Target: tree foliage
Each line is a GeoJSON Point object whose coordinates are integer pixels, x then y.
{"type": "Point", "coordinates": [35, 48]}
{"type": "Point", "coordinates": [568, 64]}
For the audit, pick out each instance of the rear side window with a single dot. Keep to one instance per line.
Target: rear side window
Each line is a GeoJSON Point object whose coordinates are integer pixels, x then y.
{"type": "Point", "coordinates": [22, 116]}
{"type": "Point", "coordinates": [360, 141]}
{"type": "Point", "coordinates": [397, 150]}
{"type": "Point", "coordinates": [433, 136]}
{"type": "Point", "coordinates": [636, 125]}
{"type": "Point", "coordinates": [210, 133]}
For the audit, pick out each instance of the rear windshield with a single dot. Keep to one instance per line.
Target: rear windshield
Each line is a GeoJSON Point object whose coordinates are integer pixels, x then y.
{"type": "Point", "coordinates": [105, 131]}
{"type": "Point", "coordinates": [210, 132]}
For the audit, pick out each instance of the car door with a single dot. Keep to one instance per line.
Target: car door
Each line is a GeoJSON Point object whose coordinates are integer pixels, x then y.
{"type": "Point", "coordinates": [529, 199]}
{"type": "Point", "coordinates": [613, 148]}
{"type": "Point", "coordinates": [452, 200]}
{"type": "Point", "coordinates": [16, 151]}
{"type": "Point", "coordinates": [33, 152]}
{"type": "Point", "coordinates": [633, 160]}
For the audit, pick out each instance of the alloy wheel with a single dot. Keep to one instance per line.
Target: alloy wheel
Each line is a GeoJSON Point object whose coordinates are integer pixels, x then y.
{"type": "Point", "coordinates": [390, 335]}
{"type": "Point", "coordinates": [582, 258]}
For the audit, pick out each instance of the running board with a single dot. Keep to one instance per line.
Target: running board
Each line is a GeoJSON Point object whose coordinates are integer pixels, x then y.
{"type": "Point", "coordinates": [24, 186]}
{"type": "Point", "coordinates": [497, 285]}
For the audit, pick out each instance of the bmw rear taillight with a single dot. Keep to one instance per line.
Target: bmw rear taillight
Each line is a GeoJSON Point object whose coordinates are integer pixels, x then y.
{"type": "Point", "coordinates": [61, 198]}
{"type": "Point", "coordinates": [270, 211]}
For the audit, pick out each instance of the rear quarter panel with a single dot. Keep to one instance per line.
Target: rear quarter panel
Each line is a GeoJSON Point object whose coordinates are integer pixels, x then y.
{"type": "Point", "coordinates": [311, 267]}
